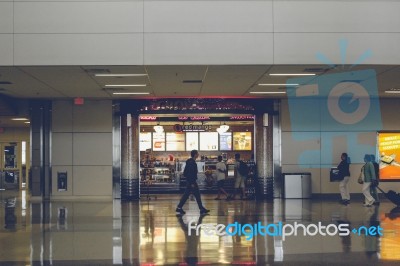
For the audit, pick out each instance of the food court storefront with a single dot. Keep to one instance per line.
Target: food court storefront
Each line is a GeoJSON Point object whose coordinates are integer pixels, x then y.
{"type": "Point", "coordinates": [156, 137]}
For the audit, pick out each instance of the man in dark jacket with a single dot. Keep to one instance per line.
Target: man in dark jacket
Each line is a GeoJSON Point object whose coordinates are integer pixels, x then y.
{"type": "Point", "coordinates": [190, 173]}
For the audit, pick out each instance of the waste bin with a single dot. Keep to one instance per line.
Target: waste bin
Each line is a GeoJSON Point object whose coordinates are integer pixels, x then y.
{"type": "Point", "coordinates": [297, 185]}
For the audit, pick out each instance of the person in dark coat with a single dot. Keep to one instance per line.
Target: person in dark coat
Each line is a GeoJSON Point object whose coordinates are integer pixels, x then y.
{"type": "Point", "coordinates": [190, 173]}
{"type": "Point", "coordinates": [344, 172]}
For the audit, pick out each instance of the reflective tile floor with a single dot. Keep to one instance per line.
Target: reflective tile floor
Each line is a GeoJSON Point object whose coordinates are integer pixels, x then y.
{"type": "Point", "coordinates": [150, 233]}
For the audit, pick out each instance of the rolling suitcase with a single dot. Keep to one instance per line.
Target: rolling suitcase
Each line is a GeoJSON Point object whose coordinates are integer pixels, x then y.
{"type": "Point", "coordinates": [391, 195]}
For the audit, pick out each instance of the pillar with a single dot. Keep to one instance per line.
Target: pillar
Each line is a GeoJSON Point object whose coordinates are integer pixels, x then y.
{"type": "Point", "coordinates": [40, 116]}
{"type": "Point", "coordinates": [130, 189]}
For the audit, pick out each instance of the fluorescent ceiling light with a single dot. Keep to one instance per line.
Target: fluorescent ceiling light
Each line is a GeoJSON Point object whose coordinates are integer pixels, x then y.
{"type": "Point", "coordinates": [126, 85]}
{"type": "Point", "coordinates": [268, 92]}
{"type": "Point", "coordinates": [278, 84]}
{"type": "Point", "coordinates": [292, 74]}
{"type": "Point", "coordinates": [19, 119]}
{"type": "Point", "coordinates": [130, 93]}
{"type": "Point", "coordinates": [120, 75]}
{"type": "Point", "coordinates": [392, 91]}
{"type": "Point", "coordinates": [27, 122]}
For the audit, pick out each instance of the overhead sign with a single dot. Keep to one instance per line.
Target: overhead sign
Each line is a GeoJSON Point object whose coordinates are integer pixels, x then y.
{"type": "Point", "coordinates": [189, 128]}
{"type": "Point", "coordinates": [389, 156]}
{"type": "Point", "coordinates": [148, 118]}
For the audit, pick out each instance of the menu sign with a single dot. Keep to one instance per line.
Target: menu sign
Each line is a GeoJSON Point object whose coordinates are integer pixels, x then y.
{"type": "Point", "coordinates": [144, 141]}
{"type": "Point", "coordinates": [175, 141]}
{"type": "Point", "coordinates": [389, 156]}
{"type": "Point", "coordinates": [242, 141]}
{"type": "Point", "coordinates": [158, 141]}
{"type": "Point", "coordinates": [209, 141]}
{"type": "Point", "coordinates": [192, 141]}
{"type": "Point", "coordinates": [225, 141]}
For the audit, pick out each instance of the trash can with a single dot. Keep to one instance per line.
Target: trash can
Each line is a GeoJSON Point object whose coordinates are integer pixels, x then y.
{"type": "Point", "coordinates": [297, 185]}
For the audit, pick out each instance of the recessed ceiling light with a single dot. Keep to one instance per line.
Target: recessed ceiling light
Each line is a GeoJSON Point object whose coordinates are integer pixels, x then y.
{"type": "Point", "coordinates": [292, 74]}
{"type": "Point", "coordinates": [120, 75]}
{"type": "Point", "coordinates": [131, 93]}
{"type": "Point", "coordinates": [19, 119]}
{"type": "Point", "coordinates": [267, 92]}
{"type": "Point", "coordinates": [126, 85]}
{"type": "Point", "coordinates": [278, 84]}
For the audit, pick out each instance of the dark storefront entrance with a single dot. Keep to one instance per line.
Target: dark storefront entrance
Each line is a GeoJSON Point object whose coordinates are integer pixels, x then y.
{"type": "Point", "coordinates": [156, 137]}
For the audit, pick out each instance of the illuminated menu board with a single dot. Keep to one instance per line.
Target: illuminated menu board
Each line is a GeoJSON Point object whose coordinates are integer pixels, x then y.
{"type": "Point", "coordinates": [158, 141]}
{"type": "Point", "coordinates": [225, 141]}
{"type": "Point", "coordinates": [389, 156]}
{"type": "Point", "coordinates": [175, 141]}
{"type": "Point", "coordinates": [242, 141]}
{"type": "Point", "coordinates": [192, 141]}
{"type": "Point", "coordinates": [208, 141]}
{"type": "Point", "coordinates": [144, 141]}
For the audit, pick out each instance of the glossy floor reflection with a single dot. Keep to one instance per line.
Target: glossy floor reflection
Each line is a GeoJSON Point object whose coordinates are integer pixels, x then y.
{"type": "Point", "coordinates": [150, 233]}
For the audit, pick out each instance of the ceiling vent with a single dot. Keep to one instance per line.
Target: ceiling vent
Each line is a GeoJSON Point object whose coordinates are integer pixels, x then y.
{"type": "Point", "coordinates": [98, 70]}
{"type": "Point", "coordinates": [316, 70]}
{"type": "Point", "coordinates": [114, 89]}
{"type": "Point", "coordinates": [192, 81]}
{"type": "Point", "coordinates": [5, 82]}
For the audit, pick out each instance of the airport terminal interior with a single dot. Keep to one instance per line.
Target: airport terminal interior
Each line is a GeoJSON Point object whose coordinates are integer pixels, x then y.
{"type": "Point", "coordinates": [292, 106]}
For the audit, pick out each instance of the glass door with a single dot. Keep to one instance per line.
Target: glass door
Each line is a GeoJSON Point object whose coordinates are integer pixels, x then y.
{"type": "Point", "coordinates": [9, 166]}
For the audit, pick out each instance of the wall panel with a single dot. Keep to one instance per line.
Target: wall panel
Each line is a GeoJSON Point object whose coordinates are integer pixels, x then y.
{"type": "Point", "coordinates": [79, 17]}
{"type": "Point", "coordinates": [78, 49]}
{"type": "Point", "coordinates": [208, 48]}
{"type": "Point", "coordinates": [208, 16]}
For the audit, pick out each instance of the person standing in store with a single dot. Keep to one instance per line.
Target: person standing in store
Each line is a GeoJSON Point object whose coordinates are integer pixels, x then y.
{"type": "Point", "coordinates": [221, 174]}
{"type": "Point", "coordinates": [240, 177]}
{"type": "Point", "coordinates": [344, 172]}
{"type": "Point", "coordinates": [190, 173]}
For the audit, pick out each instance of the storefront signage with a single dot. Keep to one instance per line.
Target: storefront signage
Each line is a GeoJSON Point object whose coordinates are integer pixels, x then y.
{"type": "Point", "coordinates": [193, 118]}
{"type": "Point", "coordinates": [241, 117]}
{"type": "Point", "coordinates": [188, 128]}
{"type": "Point", "coordinates": [389, 155]}
{"type": "Point", "coordinates": [148, 118]}
{"type": "Point", "coordinates": [197, 104]}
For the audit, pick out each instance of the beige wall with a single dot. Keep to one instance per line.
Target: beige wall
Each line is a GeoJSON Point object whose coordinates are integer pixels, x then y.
{"type": "Point", "coordinates": [15, 134]}
{"type": "Point", "coordinates": [82, 147]}
{"type": "Point", "coordinates": [319, 167]}
{"type": "Point", "coordinates": [174, 32]}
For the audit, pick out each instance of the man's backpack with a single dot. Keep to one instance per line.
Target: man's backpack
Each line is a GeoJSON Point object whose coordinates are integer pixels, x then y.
{"type": "Point", "coordinates": [243, 168]}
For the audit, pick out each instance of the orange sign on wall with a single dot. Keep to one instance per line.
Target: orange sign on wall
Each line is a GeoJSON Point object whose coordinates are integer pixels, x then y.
{"type": "Point", "coordinates": [389, 156]}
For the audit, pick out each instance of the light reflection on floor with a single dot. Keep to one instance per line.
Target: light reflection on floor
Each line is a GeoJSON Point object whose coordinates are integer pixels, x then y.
{"type": "Point", "coordinates": [149, 233]}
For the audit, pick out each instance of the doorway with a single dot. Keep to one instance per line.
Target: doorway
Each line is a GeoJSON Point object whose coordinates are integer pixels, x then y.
{"type": "Point", "coordinates": [10, 165]}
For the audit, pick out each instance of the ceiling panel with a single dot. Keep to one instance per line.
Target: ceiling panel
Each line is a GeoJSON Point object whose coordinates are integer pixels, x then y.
{"type": "Point", "coordinates": [24, 85]}
{"type": "Point", "coordinates": [231, 80]}
{"type": "Point", "coordinates": [71, 81]}
{"type": "Point", "coordinates": [168, 81]}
